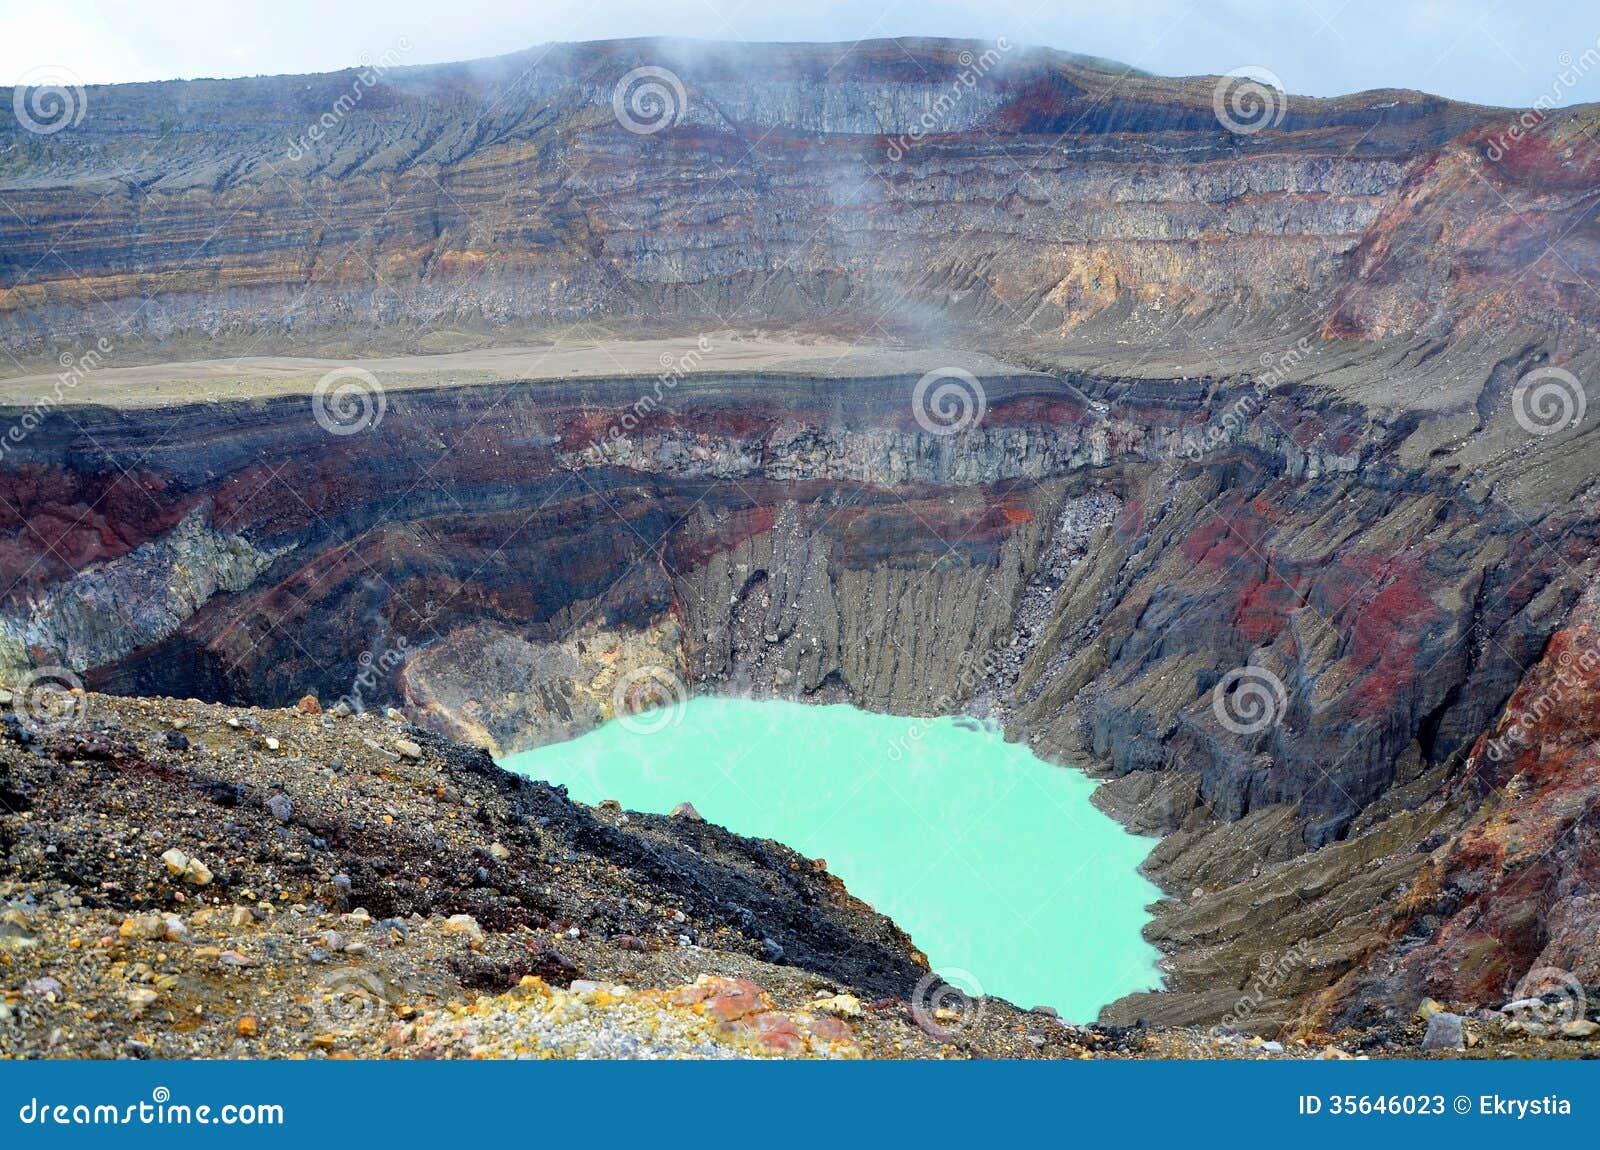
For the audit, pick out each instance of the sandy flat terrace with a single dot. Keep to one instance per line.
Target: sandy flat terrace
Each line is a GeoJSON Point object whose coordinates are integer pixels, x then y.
{"type": "Point", "coordinates": [252, 377]}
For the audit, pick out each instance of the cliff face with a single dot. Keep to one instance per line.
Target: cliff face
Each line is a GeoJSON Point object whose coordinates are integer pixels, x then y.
{"type": "Point", "coordinates": [1258, 505]}
{"type": "Point", "coordinates": [1508, 907]}
{"type": "Point", "coordinates": [889, 185]}
{"type": "Point", "coordinates": [797, 544]}
{"type": "Point", "coordinates": [511, 520]}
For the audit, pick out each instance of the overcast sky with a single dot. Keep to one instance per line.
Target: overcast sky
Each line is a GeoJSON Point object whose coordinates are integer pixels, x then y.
{"type": "Point", "coordinates": [1491, 51]}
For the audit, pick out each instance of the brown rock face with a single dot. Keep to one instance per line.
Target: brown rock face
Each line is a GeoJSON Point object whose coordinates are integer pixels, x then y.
{"type": "Point", "coordinates": [1509, 907]}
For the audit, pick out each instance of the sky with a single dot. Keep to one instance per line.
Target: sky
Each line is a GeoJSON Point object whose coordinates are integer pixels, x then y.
{"type": "Point", "coordinates": [1506, 52]}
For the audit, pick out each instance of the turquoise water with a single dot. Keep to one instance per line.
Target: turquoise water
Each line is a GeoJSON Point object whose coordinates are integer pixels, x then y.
{"type": "Point", "coordinates": [994, 861]}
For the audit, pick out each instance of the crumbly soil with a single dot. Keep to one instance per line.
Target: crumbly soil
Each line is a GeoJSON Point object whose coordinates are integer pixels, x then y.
{"type": "Point", "coordinates": [350, 886]}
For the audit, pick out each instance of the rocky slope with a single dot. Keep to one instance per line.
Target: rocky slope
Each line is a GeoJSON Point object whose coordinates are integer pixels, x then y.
{"type": "Point", "coordinates": [189, 880]}
{"type": "Point", "coordinates": [1271, 499]}
{"type": "Point", "coordinates": [257, 882]}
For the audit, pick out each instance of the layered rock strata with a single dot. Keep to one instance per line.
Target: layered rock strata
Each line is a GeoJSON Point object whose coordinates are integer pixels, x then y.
{"type": "Point", "coordinates": [903, 185]}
